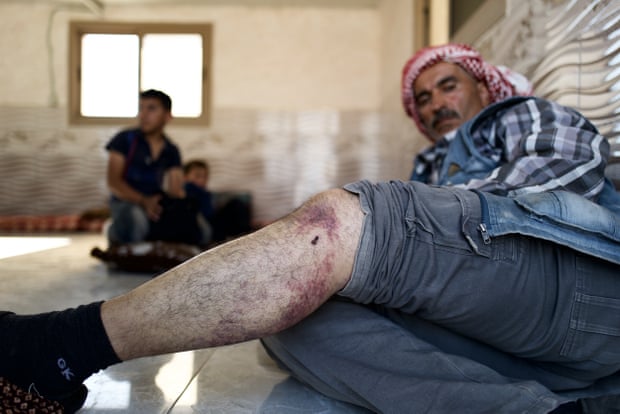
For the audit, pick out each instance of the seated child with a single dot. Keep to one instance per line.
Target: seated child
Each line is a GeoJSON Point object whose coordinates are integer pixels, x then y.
{"type": "Point", "coordinates": [232, 219]}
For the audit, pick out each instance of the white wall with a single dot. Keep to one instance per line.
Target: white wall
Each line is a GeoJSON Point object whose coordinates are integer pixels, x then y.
{"type": "Point", "coordinates": [397, 46]}
{"type": "Point", "coordinates": [272, 57]}
{"type": "Point", "coordinates": [306, 96]}
{"type": "Point", "coordinates": [397, 19]}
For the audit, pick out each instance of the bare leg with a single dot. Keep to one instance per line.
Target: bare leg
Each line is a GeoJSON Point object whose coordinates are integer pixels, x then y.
{"type": "Point", "coordinates": [246, 289]}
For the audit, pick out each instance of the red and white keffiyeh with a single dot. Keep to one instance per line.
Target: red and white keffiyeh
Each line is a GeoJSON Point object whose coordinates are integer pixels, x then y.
{"type": "Point", "coordinates": [501, 82]}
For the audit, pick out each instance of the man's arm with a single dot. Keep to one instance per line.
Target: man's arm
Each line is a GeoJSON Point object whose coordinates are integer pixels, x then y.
{"type": "Point", "coordinates": [119, 187]}
{"type": "Point", "coordinates": [547, 147]}
{"type": "Point", "coordinates": [175, 182]}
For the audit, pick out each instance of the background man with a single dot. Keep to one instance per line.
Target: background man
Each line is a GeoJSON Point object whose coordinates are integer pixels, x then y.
{"type": "Point", "coordinates": [139, 161]}
{"type": "Point", "coordinates": [525, 283]}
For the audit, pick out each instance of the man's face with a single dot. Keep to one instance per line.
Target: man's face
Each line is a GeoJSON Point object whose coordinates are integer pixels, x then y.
{"type": "Point", "coordinates": [446, 96]}
{"type": "Point", "coordinates": [152, 116]}
{"type": "Point", "coordinates": [198, 177]}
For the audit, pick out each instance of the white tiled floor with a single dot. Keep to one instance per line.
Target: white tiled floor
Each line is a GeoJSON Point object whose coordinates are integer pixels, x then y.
{"type": "Point", "coordinates": [234, 379]}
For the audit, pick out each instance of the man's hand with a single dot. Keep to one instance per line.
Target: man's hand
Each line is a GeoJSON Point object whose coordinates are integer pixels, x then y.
{"type": "Point", "coordinates": [152, 207]}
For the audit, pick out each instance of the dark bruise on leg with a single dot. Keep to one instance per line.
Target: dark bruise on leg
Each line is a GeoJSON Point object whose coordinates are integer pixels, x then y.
{"type": "Point", "coordinates": [249, 288]}
{"type": "Point", "coordinates": [318, 216]}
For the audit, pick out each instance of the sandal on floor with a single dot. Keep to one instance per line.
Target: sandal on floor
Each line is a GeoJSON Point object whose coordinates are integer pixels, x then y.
{"type": "Point", "coordinates": [14, 400]}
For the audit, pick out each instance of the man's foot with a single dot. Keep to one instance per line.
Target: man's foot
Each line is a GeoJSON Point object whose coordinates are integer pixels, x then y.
{"type": "Point", "coordinates": [28, 358]}
{"type": "Point", "coordinates": [49, 355]}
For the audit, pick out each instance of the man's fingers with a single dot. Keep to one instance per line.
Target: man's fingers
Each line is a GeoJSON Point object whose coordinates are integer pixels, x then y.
{"type": "Point", "coordinates": [154, 215]}
{"type": "Point", "coordinates": [154, 211]}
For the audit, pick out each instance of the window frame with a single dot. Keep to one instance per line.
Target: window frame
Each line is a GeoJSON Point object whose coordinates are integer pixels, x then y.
{"type": "Point", "coordinates": [77, 29]}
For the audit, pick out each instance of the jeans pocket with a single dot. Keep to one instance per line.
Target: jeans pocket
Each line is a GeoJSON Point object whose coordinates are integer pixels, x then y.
{"type": "Point", "coordinates": [594, 326]}
{"type": "Point", "coordinates": [507, 248]}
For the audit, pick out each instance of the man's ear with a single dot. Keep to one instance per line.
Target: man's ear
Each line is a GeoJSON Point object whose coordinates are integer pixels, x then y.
{"type": "Point", "coordinates": [483, 94]}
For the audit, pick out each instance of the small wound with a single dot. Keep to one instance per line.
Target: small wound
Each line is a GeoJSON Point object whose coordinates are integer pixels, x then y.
{"type": "Point", "coordinates": [315, 240]}
{"type": "Point", "coordinates": [323, 217]}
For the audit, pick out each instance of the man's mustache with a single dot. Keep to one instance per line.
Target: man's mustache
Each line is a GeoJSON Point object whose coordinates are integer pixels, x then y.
{"type": "Point", "coordinates": [443, 114]}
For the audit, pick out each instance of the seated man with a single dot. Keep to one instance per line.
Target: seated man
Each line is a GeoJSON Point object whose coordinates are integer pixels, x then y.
{"type": "Point", "coordinates": [529, 272]}
{"type": "Point", "coordinates": [507, 150]}
{"type": "Point", "coordinates": [139, 160]}
{"type": "Point", "coordinates": [229, 220]}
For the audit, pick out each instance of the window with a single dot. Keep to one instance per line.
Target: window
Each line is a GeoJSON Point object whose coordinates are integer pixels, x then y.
{"type": "Point", "coordinates": [110, 63]}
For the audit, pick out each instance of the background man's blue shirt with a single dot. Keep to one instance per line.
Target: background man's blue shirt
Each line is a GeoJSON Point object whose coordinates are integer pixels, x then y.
{"type": "Point", "coordinates": [142, 173]}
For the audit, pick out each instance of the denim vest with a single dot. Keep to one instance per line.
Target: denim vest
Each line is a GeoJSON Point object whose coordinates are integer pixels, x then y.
{"type": "Point", "coordinates": [559, 216]}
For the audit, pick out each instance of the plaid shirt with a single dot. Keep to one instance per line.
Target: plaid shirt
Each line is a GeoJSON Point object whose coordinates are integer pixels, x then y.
{"type": "Point", "coordinates": [537, 146]}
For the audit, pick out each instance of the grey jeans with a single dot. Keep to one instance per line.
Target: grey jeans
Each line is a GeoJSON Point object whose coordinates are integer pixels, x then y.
{"type": "Point", "coordinates": [453, 324]}
{"type": "Point", "coordinates": [130, 223]}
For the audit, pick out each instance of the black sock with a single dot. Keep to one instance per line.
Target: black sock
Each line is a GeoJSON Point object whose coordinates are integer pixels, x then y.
{"type": "Point", "coordinates": [53, 353]}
